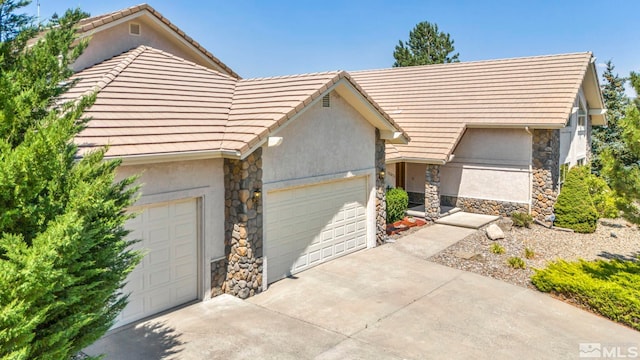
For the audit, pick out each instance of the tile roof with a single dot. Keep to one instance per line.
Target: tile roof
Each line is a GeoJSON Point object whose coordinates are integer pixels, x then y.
{"type": "Point", "coordinates": [151, 102]}
{"type": "Point", "coordinates": [92, 23]}
{"type": "Point", "coordinates": [435, 103]}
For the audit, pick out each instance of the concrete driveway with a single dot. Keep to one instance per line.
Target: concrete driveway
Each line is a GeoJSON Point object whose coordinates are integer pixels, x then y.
{"type": "Point", "coordinates": [383, 303]}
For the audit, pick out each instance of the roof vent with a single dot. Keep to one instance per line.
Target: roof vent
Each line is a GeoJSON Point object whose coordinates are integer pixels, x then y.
{"type": "Point", "coordinates": [134, 29]}
{"type": "Point", "coordinates": [326, 101]}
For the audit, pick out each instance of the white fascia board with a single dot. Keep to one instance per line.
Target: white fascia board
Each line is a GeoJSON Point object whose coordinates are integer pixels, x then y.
{"type": "Point", "coordinates": [171, 157]}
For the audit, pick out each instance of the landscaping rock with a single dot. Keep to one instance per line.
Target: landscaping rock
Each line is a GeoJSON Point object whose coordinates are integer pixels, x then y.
{"type": "Point", "coordinates": [506, 224]}
{"type": "Point", "coordinates": [494, 232]}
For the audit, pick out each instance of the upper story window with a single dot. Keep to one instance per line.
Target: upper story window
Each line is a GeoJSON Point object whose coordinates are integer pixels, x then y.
{"type": "Point", "coordinates": [582, 116]}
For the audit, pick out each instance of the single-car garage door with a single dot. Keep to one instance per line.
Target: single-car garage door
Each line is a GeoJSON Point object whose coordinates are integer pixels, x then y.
{"type": "Point", "coordinates": [167, 276]}
{"type": "Point", "coordinates": [313, 224]}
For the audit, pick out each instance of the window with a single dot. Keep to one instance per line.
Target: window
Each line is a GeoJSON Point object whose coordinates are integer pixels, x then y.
{"type": "Point", "coordinates": [580, 162]}
{"type": "Point", "coordinates": [582, 116]}
{"type": "Point", "coordinates": [564, 169]}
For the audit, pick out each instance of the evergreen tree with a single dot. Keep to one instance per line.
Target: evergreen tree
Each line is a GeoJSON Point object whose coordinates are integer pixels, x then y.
{"type": "Point", "coordinates": [574, 208]}
{"type": "Point", "coordinates": [615, 101]}
{"type": "Point", "coordinates": [623, 172]}
{"type": "Point", "coordinates": [63, 248]}
{"type": "Point", "coordinates": [426, 45]}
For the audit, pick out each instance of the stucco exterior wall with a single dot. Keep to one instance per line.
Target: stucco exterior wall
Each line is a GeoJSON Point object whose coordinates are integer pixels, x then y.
{"type": "Point", "coordinates": [494, 146]}
{"type": "Point", "coordinates": [322, 141]}
{"type": "Point", "coordinates": [117, 39]}
{"type": "Point", "coordinates": [502, 183]}
{"type": "Point", "coordinates": [415, 177]}
{"type": "Point", "coordinates": [490, 164]}
{"type": "Point", "coordinates": [203, 179]}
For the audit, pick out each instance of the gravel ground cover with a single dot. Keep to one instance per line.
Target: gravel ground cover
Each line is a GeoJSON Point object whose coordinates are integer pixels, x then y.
{"type": "Point", "coordinates": [613, 239]}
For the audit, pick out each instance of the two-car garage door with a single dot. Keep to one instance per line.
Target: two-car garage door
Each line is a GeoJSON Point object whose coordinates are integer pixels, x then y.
{"type": "Point", "coordinates": [309, 225]}
{"type": "Point", "coordinates": [167, 275]}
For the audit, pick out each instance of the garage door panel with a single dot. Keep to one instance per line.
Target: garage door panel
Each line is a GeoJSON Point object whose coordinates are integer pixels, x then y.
{"type": "Point", "coordinates": [310, 225]}
{"type": "Point", "coordinates": [167, 275]}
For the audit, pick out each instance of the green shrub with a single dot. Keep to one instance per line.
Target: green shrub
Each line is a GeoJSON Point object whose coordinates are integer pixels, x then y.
{"type": "Point", "coordinates": [604, 198]}
{"type": "Point", "coordinates": [574, 208]}
{"type": "Point", "coordinates": [521, 219]}
{"type": "Point", "coordinates": [497, 249]}
{"type": "Point", "coordinates": [516, 263]}
{"type": "Point", "coordinates": [397, 204]}
{"type": "Point", "coordinates": [610, 288]}
{"type": "Point", "coordinates": [529, 254]}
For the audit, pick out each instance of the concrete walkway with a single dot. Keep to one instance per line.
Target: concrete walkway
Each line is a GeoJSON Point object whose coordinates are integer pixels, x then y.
{"type": "Point", "coordinates": [383, 303]}
{"type": "Point", "coordinates": [468, 220]}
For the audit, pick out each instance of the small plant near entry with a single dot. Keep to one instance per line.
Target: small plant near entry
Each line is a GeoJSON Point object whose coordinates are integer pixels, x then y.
{"type": "Point", "coordinates": [516, 263]}
{"type": "Point", "coordinates": [497, 249]}
{"type": "Point", "coordinates": [397, 204]}
{"type": "Point", "coordinates": [529, 254]}
{"type": "Point", "coordinates": [521, 219]}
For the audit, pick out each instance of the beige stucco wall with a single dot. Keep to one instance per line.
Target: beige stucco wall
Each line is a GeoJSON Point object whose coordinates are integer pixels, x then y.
{"type": "Point", "coordinates": [490, 164]}
{"type": "Point", "coordinates": [415, 177]}
{"type": "Point", "coordinates": [322, 141]}
{"type": "Point", "coordinates": [202, 179]}
{"type": "Point", "coordinates": [495, 146]}
{"type": "Point", "coordinates": [486, 182]}
{"type": "Point", "coordinates": [573, 139]}
{"type": "Point", "coordinates": [115, 40]}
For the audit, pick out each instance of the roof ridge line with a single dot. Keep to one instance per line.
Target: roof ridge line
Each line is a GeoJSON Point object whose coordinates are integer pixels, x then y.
{"type": "Point", "coordinates": [292, 75]}
{"type": "Point", "coordinates": [117, 69]}
{"type": "Point", "coordinates": [175, 57]}
{"type": "Point", "coordinates": [476, 61]}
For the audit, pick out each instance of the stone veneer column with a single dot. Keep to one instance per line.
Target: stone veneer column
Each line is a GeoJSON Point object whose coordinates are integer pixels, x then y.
{"type": "Point", "coordinates": [546, 171]}
{"type": "Point", "coordinates": [432, 192]}
{"type": "Point", "coordinates": [381, 198]}
{"type": "Point", "coordinates": [243, 226]}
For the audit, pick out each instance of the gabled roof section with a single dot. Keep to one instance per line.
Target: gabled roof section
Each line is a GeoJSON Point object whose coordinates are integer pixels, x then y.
{"type": "Point", "coordinates": [435, 103]}
{"type": "Point", "coordinates": [261, 106]}
{"type": "Point", "coordinates": [152, 104]}
{"type": "Point", "coordinates": [93, 24]}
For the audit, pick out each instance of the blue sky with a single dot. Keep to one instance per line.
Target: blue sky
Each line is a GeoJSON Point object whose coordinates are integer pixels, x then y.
{"type": "Point", "coordinates": [268, 38]}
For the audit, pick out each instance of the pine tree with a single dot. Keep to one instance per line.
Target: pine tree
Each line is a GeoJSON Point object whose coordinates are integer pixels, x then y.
{"type": "Point", "coordinates": [623, 172]}
{"type": "Point", "coordinates": [64, 254]}
{"type": "Point", "coordinates": [615, 101]}
{"type": "Point", "coordinates": [426, 45]}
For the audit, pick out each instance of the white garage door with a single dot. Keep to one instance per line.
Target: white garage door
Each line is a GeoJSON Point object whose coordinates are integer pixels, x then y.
{"type": "Point", "coordinates": [167, 275]}
{"type": "Point", "coordinates": [310, 225]}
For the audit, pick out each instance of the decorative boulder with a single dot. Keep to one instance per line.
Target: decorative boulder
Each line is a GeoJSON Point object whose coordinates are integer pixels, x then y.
{"type": "Point", "coordinates": [494, 232]}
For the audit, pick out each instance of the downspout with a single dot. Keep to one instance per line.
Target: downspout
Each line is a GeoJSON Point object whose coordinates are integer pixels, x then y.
{"type": "Point", "coordinates": [526, 128]}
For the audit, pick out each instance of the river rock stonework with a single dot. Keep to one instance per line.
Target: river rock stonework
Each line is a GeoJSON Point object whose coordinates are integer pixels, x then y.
{"type": "Point", "coordinates": [381, 200]}
{"type": "Point", "coordinates": [432, 192]}
{"type": "Point", "coordinates": [546, 170]}
{"type": "Point", "coordinates": [243, 226]}
{"type": "Point", "coordinates": [218, 276]}
{"type": "Point", "coordinates": [481, 206]}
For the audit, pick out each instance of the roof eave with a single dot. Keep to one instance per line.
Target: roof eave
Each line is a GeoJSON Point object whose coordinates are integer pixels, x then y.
{"type": "Point", "coordinates": [143, 159]}
{"type": "Point", "coordinates": [554, 125]}
{"type": "Point", "coordinates": [593, 94]}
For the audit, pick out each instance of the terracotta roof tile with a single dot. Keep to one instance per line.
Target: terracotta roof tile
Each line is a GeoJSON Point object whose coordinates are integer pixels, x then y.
{"type": "Point", "coordinates": [151, 102]}
{"type": "Point", "coordinates": [435, 103]}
